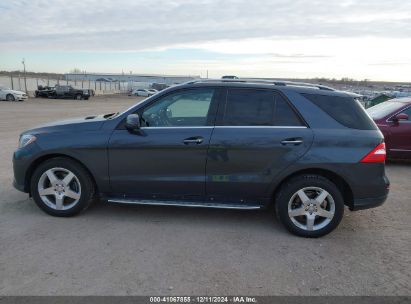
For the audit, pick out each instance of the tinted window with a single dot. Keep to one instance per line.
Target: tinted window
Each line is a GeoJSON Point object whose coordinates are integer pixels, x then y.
{"type": "Point", "coordinates": [247, 107]}
{"type": "Point", "coordinates": [184, 108]}
{"type": "Point", "coordinates": [346, 110]}
{"type": "Point", "coordinates": [384, 109]}
{"type": "Point", "coordinates": [284, 114]}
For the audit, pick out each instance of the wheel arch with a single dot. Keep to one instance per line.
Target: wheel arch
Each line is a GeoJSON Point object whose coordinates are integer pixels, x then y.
{"type": "Point", "coordinates": [46, 157]}
{"type": "Point", "coordinates": [10, 94]}
{"type": "Point", "coordinates": [334, 177]}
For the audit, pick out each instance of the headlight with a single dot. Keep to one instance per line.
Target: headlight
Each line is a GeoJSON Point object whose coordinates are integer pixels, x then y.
{"type": "Point", "coordinates": [26, 140]}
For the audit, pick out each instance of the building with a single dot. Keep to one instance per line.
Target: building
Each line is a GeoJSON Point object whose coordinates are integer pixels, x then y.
{"type": "Point", "coordinates": [130, 78]}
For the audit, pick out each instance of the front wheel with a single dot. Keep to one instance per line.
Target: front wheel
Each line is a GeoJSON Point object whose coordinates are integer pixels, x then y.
{"type": "Point", "coordinates": [310, 205]}
{"type": "Point", "coordinates": [10, 97]}
{"type": "Point", "coordinates": [78, 97]}
{"type": "Point", "coordinates": [61, 187]}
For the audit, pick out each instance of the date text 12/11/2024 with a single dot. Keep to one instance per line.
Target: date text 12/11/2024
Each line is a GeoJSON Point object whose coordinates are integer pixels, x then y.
{"type": "Point", "coordinates": [203, 299]}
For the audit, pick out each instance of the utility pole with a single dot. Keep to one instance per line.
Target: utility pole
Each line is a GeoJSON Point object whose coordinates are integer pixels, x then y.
{"type": "Point", "coordinates": [25, 81]}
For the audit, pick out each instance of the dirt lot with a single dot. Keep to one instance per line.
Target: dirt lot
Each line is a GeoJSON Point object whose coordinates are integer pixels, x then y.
{"type": "Point", "coordinates": [143, 250]}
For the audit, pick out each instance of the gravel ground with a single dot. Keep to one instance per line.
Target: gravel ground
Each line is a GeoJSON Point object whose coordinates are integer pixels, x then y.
{"type": "Point", "coordinates": [145, 250]}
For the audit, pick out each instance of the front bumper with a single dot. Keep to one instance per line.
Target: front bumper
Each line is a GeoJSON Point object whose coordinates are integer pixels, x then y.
{"type": "Point", "coordinates": [19, 186]}
{"type": "Point", "coordinates": [21, 98]}
{"type": "Point", "coordinates": [20, 167]}
{"type": "Point", "coordinates": [22, 161]}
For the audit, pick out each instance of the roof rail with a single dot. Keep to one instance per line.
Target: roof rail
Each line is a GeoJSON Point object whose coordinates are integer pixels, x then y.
{"type": "Point", "coordinates": [266, 81]}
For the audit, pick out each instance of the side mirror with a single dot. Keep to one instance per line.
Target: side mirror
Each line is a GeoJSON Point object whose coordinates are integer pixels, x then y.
{"type": "Point", "coordinates": [133, 122]}
{"type": "Point", "coordinates": [401, 116]}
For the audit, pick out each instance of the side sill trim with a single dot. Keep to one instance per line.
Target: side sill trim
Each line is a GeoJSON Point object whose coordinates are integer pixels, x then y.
{"type": "Point", "coordinates": [400, 150]}
{"type": "Point", "coordinates": [226, 127]}
{"type": "Point", "coordinates": [182, 204]}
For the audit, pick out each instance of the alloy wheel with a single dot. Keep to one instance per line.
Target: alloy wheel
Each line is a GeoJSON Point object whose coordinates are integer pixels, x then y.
{"type": "Point", "coordinates": [311, 208]}
{"type": "Point", "coordinates": [59, 188]}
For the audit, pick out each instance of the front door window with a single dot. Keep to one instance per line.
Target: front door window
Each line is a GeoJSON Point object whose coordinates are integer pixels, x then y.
{"type": "Point", "coordinates": [188, 108]}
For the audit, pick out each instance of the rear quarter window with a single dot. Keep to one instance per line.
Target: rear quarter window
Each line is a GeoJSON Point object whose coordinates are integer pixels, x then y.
{"type": "Point", "coordinates": [345, 110]}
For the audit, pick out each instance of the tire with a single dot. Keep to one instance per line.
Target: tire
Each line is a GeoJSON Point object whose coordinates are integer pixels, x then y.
{"type": "Point", "coordinates": [10, 97]}
{"type": "Point", "coordinates": [86, 98]}
{"type": "Point", "coordinates": [78, 97]}
{"type": "Point", "coordinates": [305, 209]}
{"type": "Point", "coordinates": [59, 198]}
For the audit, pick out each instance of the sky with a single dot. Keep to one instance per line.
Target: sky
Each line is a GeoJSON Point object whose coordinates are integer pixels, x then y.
{"type": "Point", "coordinates": [364, 39]}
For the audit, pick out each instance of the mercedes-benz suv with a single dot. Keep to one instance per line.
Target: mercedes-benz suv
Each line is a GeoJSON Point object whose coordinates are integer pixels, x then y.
{"type": "Point", "coordinates": [305, 149]}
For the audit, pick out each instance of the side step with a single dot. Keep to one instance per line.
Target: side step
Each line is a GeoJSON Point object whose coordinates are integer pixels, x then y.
{"type": "Point", "coordinates": [183, 204]}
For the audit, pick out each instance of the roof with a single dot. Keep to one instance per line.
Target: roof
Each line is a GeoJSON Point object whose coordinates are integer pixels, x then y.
{"type": "Point", "coordinates": [264, 81]}
{"type": "Point", "coordinates": [300, 87]}
{"type": "Point", "coordinates": [402, 99]}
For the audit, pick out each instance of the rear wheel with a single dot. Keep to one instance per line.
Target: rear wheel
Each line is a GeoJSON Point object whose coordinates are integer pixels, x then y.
{"type": "Point", "coordinates": [61, 187]}
{"type": "Point", "coordinates": [310, 205]}
{"type": "Point", "coordinates": [10, 97]}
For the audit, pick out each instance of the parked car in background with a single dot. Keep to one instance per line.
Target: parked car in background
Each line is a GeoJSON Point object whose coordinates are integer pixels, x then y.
{"type": "Point", "coordinates": [305, 149]}
{"type": "Point", "coordinates": [12, 95]}
{"type": "Point", "coordinates": [43, 91]}
{"type": "Point", "coordinates": [393, 117]}
{"type": "Point", "coordinates": [142, 92]}
{"type": "Point", "coordinates": [229, 77]}
{"type": "Point", "coordinates": [159, 86]}
{"type": "Point", "coordinates": [64, 92]}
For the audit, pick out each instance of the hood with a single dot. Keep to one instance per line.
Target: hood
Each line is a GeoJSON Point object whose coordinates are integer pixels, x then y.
{"type": "Point", "coordinates": [13, 91]}
{"type": "Point", "coordinates": [88, 123]}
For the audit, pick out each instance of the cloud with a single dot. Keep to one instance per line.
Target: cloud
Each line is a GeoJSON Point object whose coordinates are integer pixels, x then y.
{"type": "Point", "coordinates": [272, 38]}
{"type": "Point", "coordinates": [105, 25]}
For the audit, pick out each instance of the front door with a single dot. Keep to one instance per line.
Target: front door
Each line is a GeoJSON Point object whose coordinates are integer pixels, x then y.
{"type": "Point", "coordinates": [399, 144]}
{"type": "Point", "coordinates": [166, 160]}
{"type": "Point", "coordinates": [257, 135]}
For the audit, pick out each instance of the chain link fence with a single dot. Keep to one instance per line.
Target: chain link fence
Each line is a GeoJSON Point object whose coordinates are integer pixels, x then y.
{"type": "Point", "coordinates": [30, 84]}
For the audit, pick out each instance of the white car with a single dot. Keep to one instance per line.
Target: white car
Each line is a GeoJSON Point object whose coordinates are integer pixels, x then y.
{"type": "Point", "coordinates": [142, 92]}
{"type": "Point", "coordinates": [153, 91]}
{"type": "Point", "coordinates": [12, 95]}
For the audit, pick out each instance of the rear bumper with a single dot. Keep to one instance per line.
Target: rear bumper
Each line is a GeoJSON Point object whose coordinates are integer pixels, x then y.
{"type": "Point", "coordinates": [367, 203]}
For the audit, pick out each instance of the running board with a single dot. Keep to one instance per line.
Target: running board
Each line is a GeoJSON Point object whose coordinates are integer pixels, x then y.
{"type": "Point", "coordinates": [184, 204]}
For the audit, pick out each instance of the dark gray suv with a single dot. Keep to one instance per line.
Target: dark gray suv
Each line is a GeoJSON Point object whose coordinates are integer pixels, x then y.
{"type": "Point", "coordinates": [307, 150]}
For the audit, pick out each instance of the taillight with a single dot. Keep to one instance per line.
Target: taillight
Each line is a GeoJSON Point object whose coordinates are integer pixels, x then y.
{"type": "Point", "coordinates": [377, 155]}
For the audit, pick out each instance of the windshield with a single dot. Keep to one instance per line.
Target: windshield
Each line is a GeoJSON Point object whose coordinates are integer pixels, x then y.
{"type": "Point", "coordinates": [134, 105]}
{"type": "Point", "coordinates": [383, 109]}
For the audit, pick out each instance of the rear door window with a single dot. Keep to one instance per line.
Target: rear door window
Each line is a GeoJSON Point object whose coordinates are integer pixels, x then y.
{"type": "Point", "coordinates": [250, 107]}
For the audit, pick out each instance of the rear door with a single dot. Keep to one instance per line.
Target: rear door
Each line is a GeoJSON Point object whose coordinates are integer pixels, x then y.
{"type": "Point", "coordinates": [257, 135]}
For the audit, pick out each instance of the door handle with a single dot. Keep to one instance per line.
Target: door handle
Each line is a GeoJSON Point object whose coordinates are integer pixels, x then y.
{"type": "Point", "coordinates": [292, 141]}
{"type": "Point", "coordinates": [193, 140]}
